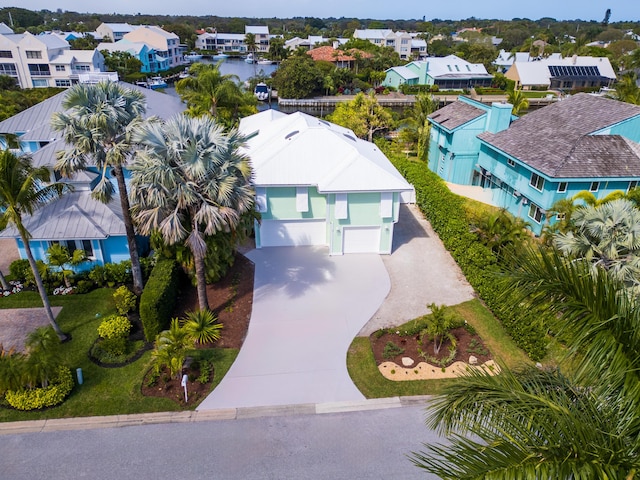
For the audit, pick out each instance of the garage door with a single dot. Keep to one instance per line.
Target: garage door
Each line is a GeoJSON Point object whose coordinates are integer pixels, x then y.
{"type": "Point", "coordinates": [361, 240]}
{"type": "Point", "coordinates": [279, 233]}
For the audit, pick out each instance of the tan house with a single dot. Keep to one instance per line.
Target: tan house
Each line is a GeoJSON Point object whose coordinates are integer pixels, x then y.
{"type": "Point", "coordinates": [166, 44]}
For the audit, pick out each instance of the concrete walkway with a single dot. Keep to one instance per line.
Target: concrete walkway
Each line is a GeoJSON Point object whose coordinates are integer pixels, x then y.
{"type": "Point", "coordinates": [307, 308]}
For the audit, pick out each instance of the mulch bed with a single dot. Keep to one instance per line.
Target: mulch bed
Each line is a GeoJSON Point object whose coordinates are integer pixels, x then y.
{"type": "Point", "coordinates": [171, 387]}
{"type": "Point", "coordinates": [468, 345]}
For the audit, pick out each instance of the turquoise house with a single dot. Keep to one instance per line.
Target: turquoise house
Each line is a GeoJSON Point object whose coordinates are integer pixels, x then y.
{"type": "Point", "coordinates": [448, 73]}
{"type": "Point", "coordinates": [525, 165]}
{"type": "Point", "coordinates": [318, 184]}
{"type": "Point", "coordinates": [151, 61]}
{"type": "Point", "coordinates": [76, 220]}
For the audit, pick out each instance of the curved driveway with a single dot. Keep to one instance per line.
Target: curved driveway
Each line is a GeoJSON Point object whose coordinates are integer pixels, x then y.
{"type": "Point", "coordinates": [307, 308]}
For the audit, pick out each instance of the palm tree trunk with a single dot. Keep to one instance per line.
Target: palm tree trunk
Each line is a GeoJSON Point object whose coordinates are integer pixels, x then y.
{"type": "Point", "coordinates": [201, 281]}
{"type": "Point", "coordinates": [3, 282]}
{"type": "Point", "coordinates": [41, 290]}
{"type": "Point", "coordinates": [136, 271]}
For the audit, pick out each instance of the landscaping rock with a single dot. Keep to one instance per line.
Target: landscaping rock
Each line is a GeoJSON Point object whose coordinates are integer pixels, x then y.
{"type": "Point", "coordinates": [473, 360]}
{"type": "Point", "coordinates": [407, 362]}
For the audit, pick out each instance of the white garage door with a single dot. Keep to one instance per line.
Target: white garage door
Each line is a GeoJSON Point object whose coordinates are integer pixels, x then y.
{"type": "Point", "coordinates": [281, 233]}
{"type": "Point", "coordinates": [361, 240]}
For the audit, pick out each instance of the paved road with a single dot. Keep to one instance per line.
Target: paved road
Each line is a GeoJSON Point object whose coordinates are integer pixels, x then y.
{"type": "Point", "coordinates": [354, 445]}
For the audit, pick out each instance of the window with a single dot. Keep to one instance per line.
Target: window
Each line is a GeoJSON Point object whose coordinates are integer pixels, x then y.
{"type": "Point", "coordinates": [535, 213]}
{"type": "Point", "coordinates": [60, 68]}
{"type": "Point", "coordinates": [63, 83]}
{"type": "Point", "coordinates": [536, 181]}
{"type": "Point", "coordinates": [560, 216]}
{"type": "Point", "coordinates": [6, 54]}
{"type": "Point", "coordinates": [8, 69]}
{"type": "Point", "coordinates": [511, 163]}
{"type": "Point", "coordinates": [33, 54]}
{"type": "Point", "coordinates": [39, 69]}
{"type": "Point", "coordinates": [341, 206]}
{"type": "Point", "coordinates": [562, 187]}
{"type": "Point", "coordinates": [594, 187]}
{"type": "Point", "coordinates": [82, 68]}
{"type": "Point", "coordinates": [73, 245]}
{"type": "Point", "coordinates": [302, 199]}
{"type": "Point", "coordinates": [633, 184]}
{"type": "Point", "coordinates": [40, 82]}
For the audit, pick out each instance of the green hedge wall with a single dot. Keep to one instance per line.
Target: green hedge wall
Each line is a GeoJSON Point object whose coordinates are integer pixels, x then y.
{"type": "Point", "coordinates": [445, 212]}
{"type": "Point", "coordinates": [158, 298]}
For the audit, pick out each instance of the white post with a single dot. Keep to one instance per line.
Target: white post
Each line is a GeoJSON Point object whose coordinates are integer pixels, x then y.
{"type": "Point", "coordinates": [184, 384]}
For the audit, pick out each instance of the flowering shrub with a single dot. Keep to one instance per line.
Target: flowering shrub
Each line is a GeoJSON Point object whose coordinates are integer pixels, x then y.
{"type": "Point", "coordinates": [36, 398]}
{"type": "Point", "coordinates": [63, 290]}
{"type": "Point", "coordinates": [15, 287]}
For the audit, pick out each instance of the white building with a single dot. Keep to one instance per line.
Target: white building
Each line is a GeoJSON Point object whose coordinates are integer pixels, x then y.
{"type": "Point", "coordinates": [114, 31]}
{"type": "Point", "coordinates": [407, 45]}
{"type": "Point", "coordinates": [45, 60]}
{"type": "Point", "coordinates": [235, 42]}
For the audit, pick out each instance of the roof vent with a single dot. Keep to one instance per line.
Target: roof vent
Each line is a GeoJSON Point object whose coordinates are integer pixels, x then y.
{"type": "Point", "coordinates": [289, 135]}
{"type": "Point", "coordinates": [349, 137]}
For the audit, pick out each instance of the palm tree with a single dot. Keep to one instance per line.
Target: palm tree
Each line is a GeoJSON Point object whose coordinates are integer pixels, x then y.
{"type": "Point", "coordinates": [207, 91]}
{"type": "Point", "coordinates": [627, 89]}
{"type": "Point", "coordinates": [22, 191]}
{"type": "Point", "coordinates": [190, 182]}
{"type": "Point", "coordinates": [3, 281]}
{"type": "Point", "coordinates": [501, 230]}
{"type": "Point", "coordinates": [59, 256]}
{"type": "Point", "coordinates": [250, 42]}
{"type": "Point", "coordinates": [518, 100]}
{"type": "Point", "coordinates": [608, 236]}
{"type": "Point", "coordinates": [542, 423]}
{"type": "Point", "coordinates": [170, 348]}
{"type": "Point", "coordinates": [439, 327]}
{"type": "Point", "coordinates": [202, 326]}
{"type": "Point", "coordinates": [418, 124]}
{"type": "Point", "coordinates": [97, 124]}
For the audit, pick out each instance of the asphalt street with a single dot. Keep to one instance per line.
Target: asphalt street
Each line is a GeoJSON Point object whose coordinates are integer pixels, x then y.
{"type": "Point", "coordinates": [356, 445]}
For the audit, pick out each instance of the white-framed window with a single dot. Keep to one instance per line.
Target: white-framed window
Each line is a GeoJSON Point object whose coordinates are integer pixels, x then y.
{"type": "Point", "coordinates": [536, 181]}
{"type": "Point", "coordinates": [535, 213]}
{"type": "Point", "coordinates": [6, 54]}
{"type": "Point", "coordinates": [73, 245]}
{"type": "Point", "coordinates": [511, 163]}
{"type": "Point", "coordinates": [261, 199]}
{"type": "Point", "coordinates": [40, 82]}
{"type": "Point", "coordinates": [60, 68]}
{"type": "Point", "coordinates": [632, 184]}
{"type": "Point", "coordinates": [63, 83]}
{"type": "Point", "coordinates": [562, 187]}
{"type": "Point", "coordinates": [594, 187]}
{"type": "Point", "coordinates": [342, 210]}
{"type": "Point", "coordinates": [302, 199]}
{"type": "Point", "coordinates": [33, 54]}
{"type": "Point", "coordinates": [386, 204]}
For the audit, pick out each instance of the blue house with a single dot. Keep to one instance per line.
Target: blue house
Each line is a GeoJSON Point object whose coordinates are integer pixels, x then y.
{"type": "Point", "coordinates": [151, 61]}
{"type": "Point", "coordinates": [525, 165]}
{"type": "Point", "coordinates": [75, 220]}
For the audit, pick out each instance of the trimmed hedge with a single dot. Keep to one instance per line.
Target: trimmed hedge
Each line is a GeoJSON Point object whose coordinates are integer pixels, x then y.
{"type": "Point", "coordinates": [445, 212]}
{"type": "Point", "coordinates": [158, 298]}
{"type": "Point", "coordinates": [36, 398]}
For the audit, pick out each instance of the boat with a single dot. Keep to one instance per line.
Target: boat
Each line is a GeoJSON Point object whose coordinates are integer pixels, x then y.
{"type": "Point", "coordinates": [193, 56]}
{"type": "Point", "coordinates": [220, 56]}
{"type": "Point", "coordinates": [156, 83]}
{"type": "Point", "coordinates": [249, 58]}
{"type": "Point", "coordinates": [184, 74]}
{"type": "Point", "coordinates": [264, 61]}
{"type": "Point", "coordinates": [262, 92]}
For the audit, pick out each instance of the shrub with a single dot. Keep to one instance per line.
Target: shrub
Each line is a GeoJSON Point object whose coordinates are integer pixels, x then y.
{"type": "Point", "coordinates": [391, 350]}
{"type": "Point", "coordinates": [158, 298]}
{"type": "Point", "coordinates": [124, 299]}
{"type": "Point", "coordinates": [84, 286]}
{"type": "Point", "coordinates": [36, 398]}
{"type": "Point", "coordinates": [113, 347]}
{"type": "Point", "coordinates": [20, 269]}
{"type": "Point", "coordinates": [118, 273]}
{"type": "Point", "coordinates": [202, 326]}
{"type": "Point", "coordinates": [115, 326]}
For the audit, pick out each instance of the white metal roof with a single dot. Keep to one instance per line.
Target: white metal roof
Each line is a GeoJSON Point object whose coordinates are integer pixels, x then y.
{"type": "Point", "coordinates": [298, 149]}
{"type": "Point", "coordinates": [537, 72]}
{"type": "Point", "coordinates": [404, 72]}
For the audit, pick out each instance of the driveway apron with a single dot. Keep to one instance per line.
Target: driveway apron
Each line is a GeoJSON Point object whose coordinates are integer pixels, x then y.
{"type": "Point", "coordinates": [307, 308]}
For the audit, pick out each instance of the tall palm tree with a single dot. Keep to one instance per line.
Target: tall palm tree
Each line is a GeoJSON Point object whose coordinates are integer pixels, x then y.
{"type": "Point", "coordinates": [188, 183]}
{"type": "Point", "coordinates": [542, 423]}
{"type": "Point", "coordinates": [96, 124]}
{"type": "Point", "coordinates": [23, 189]}
{"type": "Point", "coordinates": [207, 91]}
{"type": "Point", "coordinates": [250, 42]}
{"type": "Point", "coordinates": [418, 122]}
{"type": "Point", "coordinates": [627, 89]}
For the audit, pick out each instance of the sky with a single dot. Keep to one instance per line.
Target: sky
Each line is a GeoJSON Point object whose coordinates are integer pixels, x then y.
{"type": "Point", "coordinates": [621, 10]}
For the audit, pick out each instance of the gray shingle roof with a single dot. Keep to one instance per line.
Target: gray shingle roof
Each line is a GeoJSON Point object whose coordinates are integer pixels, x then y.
{"type": "Point", "coordinates": [557, 140]}
{"type": "Point", "coordinates": [455, 114]}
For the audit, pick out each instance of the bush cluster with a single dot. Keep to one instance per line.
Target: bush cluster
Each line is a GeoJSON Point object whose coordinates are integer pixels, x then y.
{"type": "Point", "coordinates": [158, 298]}
{"type": "Point", "coordinates": [448, 218]}
{"type": "Point", "coordinates": [116, 326]}
{"type": "Point", "coordinates": [36, 398]}
{"type": "Point", "coordinates": [124, 299]}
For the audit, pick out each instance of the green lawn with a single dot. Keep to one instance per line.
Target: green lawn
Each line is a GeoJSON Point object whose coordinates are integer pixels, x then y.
{"type": "Point", "coordinates": [366, 376]}
{"type": "Point", "coordinates": [106, 391]}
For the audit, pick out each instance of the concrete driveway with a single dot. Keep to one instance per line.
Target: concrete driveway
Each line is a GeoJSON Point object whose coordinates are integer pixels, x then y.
{"type": "Point", "coordinates": [307, 308]}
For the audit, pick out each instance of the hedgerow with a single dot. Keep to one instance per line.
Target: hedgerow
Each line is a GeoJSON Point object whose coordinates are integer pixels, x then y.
{"type": "Point", "coordinates": [36, 398]}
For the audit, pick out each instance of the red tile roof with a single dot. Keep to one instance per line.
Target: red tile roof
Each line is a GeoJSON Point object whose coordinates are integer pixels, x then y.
{"type": "Point", "coordinates": [330, 54]}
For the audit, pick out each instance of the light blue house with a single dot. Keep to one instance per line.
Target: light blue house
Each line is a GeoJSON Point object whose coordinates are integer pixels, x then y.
{"type": "Point", "coordinates": [318, 184]}
{"type": "Point", "coordinates": [75, 220]}
{"type": "Point", "coordinates": [448, 73]}
{"type": "Point", "coordinates": [151, 61]}
{"type": "Point", "coordinates": [583, 142]}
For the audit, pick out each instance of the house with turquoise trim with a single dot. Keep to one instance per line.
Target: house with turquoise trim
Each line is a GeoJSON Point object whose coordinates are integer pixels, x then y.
{"type": "Point", "coordinates": [318, 184]}
{"type": "Point", "coordinates": [525, 165]}
{"type": "Point", "coordinates": [151, 61]}
{"type": "Point", "coordinates": [448, 73]}
{"type": "Point", "coordinates": [76, 220]}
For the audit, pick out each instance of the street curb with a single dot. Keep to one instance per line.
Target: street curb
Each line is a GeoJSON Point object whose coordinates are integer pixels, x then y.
{"type": "Point", "coordinates": [137, 419]}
